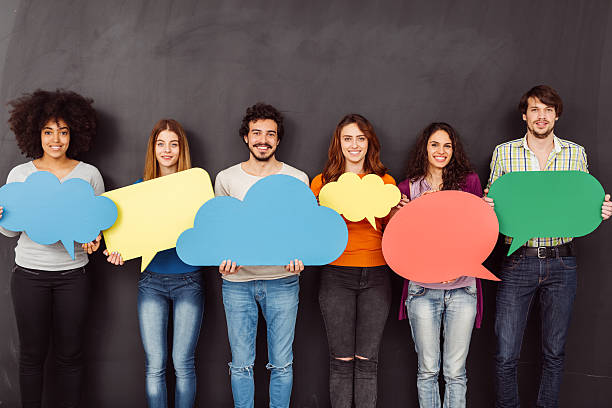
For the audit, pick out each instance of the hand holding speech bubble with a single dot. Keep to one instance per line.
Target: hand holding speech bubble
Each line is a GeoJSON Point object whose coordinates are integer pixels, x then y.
{"type": "Point", "coordinates": [544, 204]}
{"type": "Point", "coordinates": [153, 214]}
{"type": "Point", "coordinates": [278, 221]}
{"type": "Point", "coordinates": [50, 211]}
{"type": "Point", "coordinates": [357, 198]}
{"type": "Point", "coordinates": [440, 237]}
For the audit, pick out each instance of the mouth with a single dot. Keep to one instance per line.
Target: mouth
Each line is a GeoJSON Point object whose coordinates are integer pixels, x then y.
{"type": "Point", "coordinates": [56, 148]}
{"type": "Point", "coordinates": [440, 159]}
{"type": "Point", "coordinates": [354, 152]}
{"type": "Point", "coordinates": [263, 148]}
{"type": "Point", "coordinates": [541, 123]}
{"type": "Point", "coordinates": [167, 158]}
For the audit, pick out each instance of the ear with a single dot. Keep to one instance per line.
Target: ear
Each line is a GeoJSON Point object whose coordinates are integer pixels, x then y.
{"type": "Point", "coordinates": [246, 139]}
{"type": "Point", "coordinates": [524, 117]}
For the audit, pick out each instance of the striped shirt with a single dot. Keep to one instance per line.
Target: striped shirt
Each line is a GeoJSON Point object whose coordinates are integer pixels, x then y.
{"type": "Point", "coordinates": [516, 156]}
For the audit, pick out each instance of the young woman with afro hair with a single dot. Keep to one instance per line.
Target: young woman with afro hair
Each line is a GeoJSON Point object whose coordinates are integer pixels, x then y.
{"type": "Point", "coordinates": [50, 290]}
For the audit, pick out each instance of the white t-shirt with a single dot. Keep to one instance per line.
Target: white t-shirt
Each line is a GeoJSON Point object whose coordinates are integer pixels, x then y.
{"type": "Point", "coordinates": [235, 182]}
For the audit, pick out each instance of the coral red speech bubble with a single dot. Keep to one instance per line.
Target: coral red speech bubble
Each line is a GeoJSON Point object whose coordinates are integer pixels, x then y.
{"type": "Point", "coordinates": [441, 236]}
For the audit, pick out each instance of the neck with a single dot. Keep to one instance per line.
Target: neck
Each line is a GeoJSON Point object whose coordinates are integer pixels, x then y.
{"type": "Point", "coordinates": [434, 176]}
{"type": "Point", "coordinates": [54, 163]}
{"type": "Point", "coordinates": [540, 144]}
{"type": "Point", "coordinates": [164, 171]}
{"type": "Point", "coordinates": [261, 168]}
{"type": "Point", "coordinates": [356, 168]}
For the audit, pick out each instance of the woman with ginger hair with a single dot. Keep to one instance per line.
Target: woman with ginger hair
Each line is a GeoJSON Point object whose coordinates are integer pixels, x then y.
{"type": "Point", "coordinates": [355, 291]}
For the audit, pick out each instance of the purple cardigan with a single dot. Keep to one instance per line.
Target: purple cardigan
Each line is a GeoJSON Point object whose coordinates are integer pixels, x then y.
{"type": "Point", "coordinates": [472, 185]}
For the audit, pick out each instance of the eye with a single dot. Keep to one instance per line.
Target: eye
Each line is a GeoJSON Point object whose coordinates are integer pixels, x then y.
{"type": "Point", "coordinates": [174, 144]}
{"type": "Point", "coordinates": [362, 138]}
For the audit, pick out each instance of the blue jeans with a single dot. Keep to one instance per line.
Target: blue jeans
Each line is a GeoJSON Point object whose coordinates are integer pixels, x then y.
{"type": "Point", "coordinates": [454, 311]}
{"type": "Point", "coordinates": [278, 299]}
{"type": "Point", "coordinates": [156, 292]}
{"type": "Point", "coordinates": [553, 280]}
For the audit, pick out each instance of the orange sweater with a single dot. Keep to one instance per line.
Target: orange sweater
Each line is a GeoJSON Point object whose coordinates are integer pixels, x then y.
{"type": "Point", "coordinates": [364, 246]}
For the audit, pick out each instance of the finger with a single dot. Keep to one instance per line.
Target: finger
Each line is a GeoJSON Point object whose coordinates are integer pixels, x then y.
{"type": "Point", "coordinates": [222, 266]}
{"type": "Point", "coordinates": [486, 191]}
{"type": "Point", "coordinates": [233, 268]}
{"type": "Point", "coordinates": [301, 265]}
{"type": "Point", "coordinates": [120, 259]}
{"type": "Point", "coordinates": [606, 198]}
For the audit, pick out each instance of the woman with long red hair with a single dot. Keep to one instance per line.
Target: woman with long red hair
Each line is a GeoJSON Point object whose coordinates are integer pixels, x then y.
{"type": "Point", "coordinates": [355, 291]}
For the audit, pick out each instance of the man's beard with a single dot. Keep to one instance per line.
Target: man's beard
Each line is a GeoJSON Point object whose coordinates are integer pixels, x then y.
{"type": "Point", "coordinates": [268, 155]}
{"type": "Point", "coordinates": [542, 135]}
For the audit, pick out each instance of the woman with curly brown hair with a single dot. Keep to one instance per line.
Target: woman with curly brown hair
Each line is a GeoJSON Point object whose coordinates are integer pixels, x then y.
{"type": "Point", "coordinates": [438, 162]}
{"type": "Point", "coordinates": [355, 292]}
{"type": "Point", "coordinates": [50, 290]}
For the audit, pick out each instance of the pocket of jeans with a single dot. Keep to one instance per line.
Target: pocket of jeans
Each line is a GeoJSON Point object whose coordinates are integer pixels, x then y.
{"type": "Point", "coordinates": [511, 262]}
{"type": "Point", "coordinates": [568, 262]}
{"type": "Point", "coordinates": [144, 277]}
{"type": "Point", "coordinates": [415, 290]}
{"type": "Point", "coordinates": [194, 280]}
{"type": "Point", "coordinates": [471, 290]}
{"type": "Point", "coordinates": [25, 271]}
{"type": "Point", "coordinates": [77, 271]}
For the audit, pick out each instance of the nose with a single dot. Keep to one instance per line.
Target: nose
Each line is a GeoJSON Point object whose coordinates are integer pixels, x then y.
{"type": "Point", "coordinates": [56, 136]}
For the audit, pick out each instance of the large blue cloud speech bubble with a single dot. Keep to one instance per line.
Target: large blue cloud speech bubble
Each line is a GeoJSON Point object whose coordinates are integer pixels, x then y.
{"type": "Point", "coordinates": [278, 221]}
{"type": "Point", "coordinates": [50, 211]}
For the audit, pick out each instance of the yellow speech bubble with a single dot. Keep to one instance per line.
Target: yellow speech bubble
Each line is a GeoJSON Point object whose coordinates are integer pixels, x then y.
{"type": "Point", "coordinates": [152, 214]}
{"type": "Point", "coordinates": [358, 198]}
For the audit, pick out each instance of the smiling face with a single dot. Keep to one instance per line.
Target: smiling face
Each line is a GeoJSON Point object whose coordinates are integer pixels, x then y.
{"type": "Point", "coordinates": [540, 118]}
{"type": "Point", "coordinates": [439, 149]}
{"type": "Point", "coordinates": [262, 139]}
{"type": "Point", "coordinates": [354, 144]}
{"type": "Point", "coordinates": [167, 149]}
{"type": "Point", "coordinates": [55, 138]}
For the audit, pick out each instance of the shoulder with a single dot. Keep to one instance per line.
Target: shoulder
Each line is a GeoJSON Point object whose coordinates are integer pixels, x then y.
{"type": "Point", "coordinates": [89, 169]}
{"type": "Point", "coordinates": [508, 145]}
{"type": "Point", "coordinates": [229, 172]}
{"type": "Point", "coordinates": [20, 172]}
{"type": "Point", "coordinates": [570, 145]}
{"type": "Point", "coordinates": [404, 186]}
{"type": "Point", "coordinates": [388, 179]}
{"type": "Point", "coordinates": [472, 178]}
{"type": "Point", "coordinates": [292, 171]}
{"type": "Point", "coordinates": [317, 184]}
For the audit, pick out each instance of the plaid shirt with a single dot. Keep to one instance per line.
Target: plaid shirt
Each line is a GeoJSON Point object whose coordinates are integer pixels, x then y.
{"type": "Point", "coordinates": [516, 156]}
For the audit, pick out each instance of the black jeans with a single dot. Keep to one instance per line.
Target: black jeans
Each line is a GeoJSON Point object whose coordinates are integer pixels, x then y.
{"type": "Point", "coordinates": [355, 303]}
{"type": "Point", "coordinates": [50, 302]}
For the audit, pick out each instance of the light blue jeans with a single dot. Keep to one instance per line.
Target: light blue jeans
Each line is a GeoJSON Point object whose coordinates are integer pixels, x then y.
{"type": "Point", "coordinates": [454, 311]}
{"type": "Point", "coordinates": [278, 299]}
{"type": "Point", "coordinates": [156, 292]}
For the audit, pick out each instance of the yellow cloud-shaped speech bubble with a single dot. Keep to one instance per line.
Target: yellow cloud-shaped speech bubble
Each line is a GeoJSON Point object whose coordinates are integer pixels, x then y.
{"type": "Point", "coordinates": [357, 198]}
{"type": "Point", "coordinates": [152, 214]}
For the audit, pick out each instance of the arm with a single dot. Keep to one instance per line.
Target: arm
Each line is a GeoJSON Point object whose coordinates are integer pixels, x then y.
{"type": "Point", "coordinates": [9, 179]}
{"type": "Point", "coordinates": [496, 172]}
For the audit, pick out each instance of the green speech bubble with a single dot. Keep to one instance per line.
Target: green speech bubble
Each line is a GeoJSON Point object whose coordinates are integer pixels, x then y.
{"type": "Point", "coordinates": [546, 204]}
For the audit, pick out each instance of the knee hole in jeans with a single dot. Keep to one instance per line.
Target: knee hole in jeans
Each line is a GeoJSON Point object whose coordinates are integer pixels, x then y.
{"type": "Point", "coordinates": [344, 358]}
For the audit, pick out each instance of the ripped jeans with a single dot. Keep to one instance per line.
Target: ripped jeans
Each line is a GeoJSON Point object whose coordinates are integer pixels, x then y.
{"type": "Point", "coordinates": [278, 299]}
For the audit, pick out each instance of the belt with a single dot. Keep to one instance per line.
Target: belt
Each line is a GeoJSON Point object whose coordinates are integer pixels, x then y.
{"type": "Point", "coordinates": [547, 251]}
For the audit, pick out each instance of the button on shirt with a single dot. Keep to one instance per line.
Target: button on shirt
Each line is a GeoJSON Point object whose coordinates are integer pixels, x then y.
{"type": "Point", "coordinates": [516, 156]}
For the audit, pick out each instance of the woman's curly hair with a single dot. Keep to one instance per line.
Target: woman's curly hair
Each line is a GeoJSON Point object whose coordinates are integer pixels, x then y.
{"type": "Point", "coordinates": [32, 111]}
{"type": "Point", "coordinates": [457, 169]}
{"type": "Point", "coordinates": [261, 111]}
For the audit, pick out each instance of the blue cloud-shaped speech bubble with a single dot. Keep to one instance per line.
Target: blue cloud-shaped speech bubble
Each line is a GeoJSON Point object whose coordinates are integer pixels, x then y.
{"type": "Point", "coordinates": [278, 221]}
{"type": "Point", "coordinates": [50, 211]}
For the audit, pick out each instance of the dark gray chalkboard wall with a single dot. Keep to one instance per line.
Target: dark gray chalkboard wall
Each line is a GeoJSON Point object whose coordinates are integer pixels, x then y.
{"type": "Point", "coordinates": [402, 64]}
